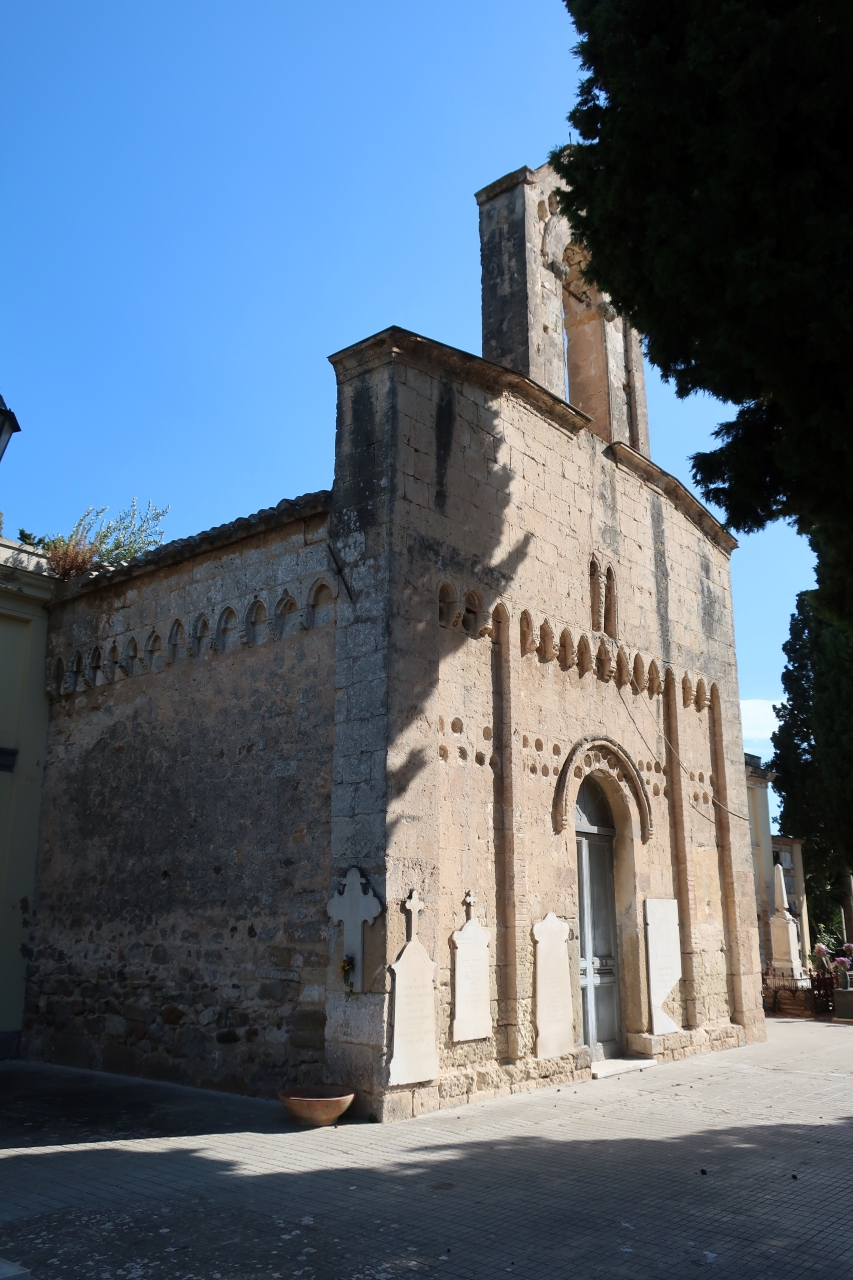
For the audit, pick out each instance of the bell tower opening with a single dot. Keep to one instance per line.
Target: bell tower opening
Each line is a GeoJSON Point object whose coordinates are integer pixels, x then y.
{"type": "Point", "coordinates": [541, 318]}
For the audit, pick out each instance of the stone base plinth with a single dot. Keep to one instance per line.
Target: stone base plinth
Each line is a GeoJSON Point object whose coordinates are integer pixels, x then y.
{"type": "Point", "coordinates": [684, 1044]}
{"type": "Point", "coordinates": [477, 1083]}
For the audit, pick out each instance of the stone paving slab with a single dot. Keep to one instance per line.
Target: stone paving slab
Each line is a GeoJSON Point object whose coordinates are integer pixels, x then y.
{"type": "Point", "coordinates": [602, 1179]}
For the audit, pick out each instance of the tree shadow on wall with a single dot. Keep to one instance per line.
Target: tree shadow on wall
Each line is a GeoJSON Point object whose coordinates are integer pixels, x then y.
{"type": "Point", "coordinates": [751, 1201]}
{"type": "Point", "coordinates": [463, 533]}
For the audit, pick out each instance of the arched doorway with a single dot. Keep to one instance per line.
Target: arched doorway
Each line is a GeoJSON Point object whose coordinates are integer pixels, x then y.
{"type": "Point", "coordinates": [599, 969]}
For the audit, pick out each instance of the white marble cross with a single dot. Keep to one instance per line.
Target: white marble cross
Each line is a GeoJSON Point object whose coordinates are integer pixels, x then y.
{"type": "Point", "coordinates": [414, 906]}
{"type": "Point", "coordinates": [415, 1052]}
{"type": "Point", "coordinates": [472, 1010]}
{"type": "Point", "coordinates": [352, 908]}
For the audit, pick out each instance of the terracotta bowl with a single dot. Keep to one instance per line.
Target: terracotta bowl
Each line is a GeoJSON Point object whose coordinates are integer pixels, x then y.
{"type": "Point", "coordinates": [317, 1104]}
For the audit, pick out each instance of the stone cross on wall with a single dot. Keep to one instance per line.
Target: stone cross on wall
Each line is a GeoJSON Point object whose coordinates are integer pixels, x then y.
{"type": "Point", "coordinates": [352, 908]}
{"type": "Point", "coordinates": [414, 906]}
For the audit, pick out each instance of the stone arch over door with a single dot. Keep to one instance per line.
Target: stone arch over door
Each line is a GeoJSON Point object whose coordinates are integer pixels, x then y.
{"type": "Point", "coordinates": [615, 770]}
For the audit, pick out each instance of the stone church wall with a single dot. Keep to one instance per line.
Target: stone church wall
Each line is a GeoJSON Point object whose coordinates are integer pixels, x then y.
{"type": "Point", "coordinates": [179, 928]}
{"type": "Point", "coordinates": [504, 690]}
{"type": "Point", "coordinates": [410, 675]}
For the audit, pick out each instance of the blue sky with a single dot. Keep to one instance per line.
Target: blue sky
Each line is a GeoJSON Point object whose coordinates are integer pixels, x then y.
{"type": "Point", "coordinates": [203, 200]}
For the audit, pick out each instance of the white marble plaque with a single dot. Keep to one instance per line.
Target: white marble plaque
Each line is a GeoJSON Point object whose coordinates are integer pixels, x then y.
{"type": "Point", "coordinates": [471, 1003]}
{"type": "Point", "coordinates": [352, 908]}
{"type": "Point", "coordinates": [554, 1035]}
{"type": "Point", "coordinates": [415, 1055]}
{"type": "Point", "coordinates": [663, 947]}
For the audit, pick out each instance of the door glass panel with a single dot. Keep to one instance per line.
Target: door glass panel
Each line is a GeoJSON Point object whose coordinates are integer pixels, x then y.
{"type": "Point", "coordinates": [601, 892]}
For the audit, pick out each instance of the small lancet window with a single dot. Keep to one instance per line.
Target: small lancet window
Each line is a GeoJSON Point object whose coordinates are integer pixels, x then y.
{"type": "Point", "coordinates": [584, 656]}
{"type": "Point", "coordinates": [610, 603]}
{"type": "Point", "coordinates": [227, 637]}
{"type": "Point", "coordinates": [526, 637]}
{"type": "Point", "coordinates": [128, 661]}
{"type": "Point", "coordinates": [603, 662]}
{"type": "Point", "coordinates": [471, 617]}
{"type": "Point", "coordinates": [546, 650]}
{"type": "Point", "coordinates": [201, 638]}
{"type": "Point", "coordinates": [567, 651]}
{"type": "Point", "coordinates": [595, 594]}
{"type": "Point", "coordinates": [286, 616]}
{"type": "Point", "coordinates": [111, 664]}
{"type": "Point", "coordinates": [154, 652]}
{"type": "Point", "coordinates": [96, 673]}
{"type": "Point", "coordinates": [639, 674]}
{"type": "Point", "coordinates": [75, 673]}
{"type": "Point", "coordinates": [257, 629]}
{"type": "Point", "coordinates": [177, 648]}
{"type": "Point", "coordinates": [322, 605]}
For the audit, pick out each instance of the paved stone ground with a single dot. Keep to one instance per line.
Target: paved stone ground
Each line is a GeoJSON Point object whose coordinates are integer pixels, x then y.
{"type": "Point", "coordinates": [740, 1161]}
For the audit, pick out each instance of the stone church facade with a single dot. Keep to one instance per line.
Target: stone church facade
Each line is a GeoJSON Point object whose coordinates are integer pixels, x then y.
{"type": "Point", "coordinates": [492, 670]}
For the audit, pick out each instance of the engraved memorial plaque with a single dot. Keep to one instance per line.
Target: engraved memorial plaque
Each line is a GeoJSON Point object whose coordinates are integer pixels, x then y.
{"type": "Point", "coordinates": [663, 947]}
{"type": "Point", "coordinates": [415, 1054]}
{"type": "Point", "coordinates": [553, 988]}
{"type": "Point", "coordinates": [471, 1003]}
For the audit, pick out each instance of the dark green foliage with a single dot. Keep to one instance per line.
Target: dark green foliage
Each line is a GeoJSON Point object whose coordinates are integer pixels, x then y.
{"type": "Point", "coordinates": [30, 539]}
{"type": "Point", "coordinates": [813, 757]}
{"type": "Point", "coordinates": [713, 188]}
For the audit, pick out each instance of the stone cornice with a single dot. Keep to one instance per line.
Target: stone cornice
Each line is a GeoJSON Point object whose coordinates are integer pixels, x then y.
{"type": "Point", "coordinates": [392, 342]}
{"type": "Point", "coordinates": [524, 175]}
{"type": "Point", "coordinates": [679, 496]}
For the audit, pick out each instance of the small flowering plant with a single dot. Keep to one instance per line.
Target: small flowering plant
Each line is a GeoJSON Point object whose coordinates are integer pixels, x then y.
{"type": "Point", "coordinates": [848, 949]}
{"type": "Point", "coordinates": [348, 969]}
{"type": "Point", "coordinates": [821, 950]}
{"type": "Point", "coordinates": [843, 962]}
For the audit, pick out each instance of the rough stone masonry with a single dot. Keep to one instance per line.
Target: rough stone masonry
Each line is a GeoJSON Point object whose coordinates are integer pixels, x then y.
{"type": "Point", "coordinates": [502, 613]}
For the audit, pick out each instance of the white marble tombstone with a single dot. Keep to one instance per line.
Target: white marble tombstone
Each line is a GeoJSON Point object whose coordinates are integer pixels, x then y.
{"type": "Point", "coordinates": [415, 1055]}
{"type": "Point", "coordinates": [663, 949]}
{"type": "Point", "coordinates": [471, 1000]}
{"type": "Point", "coordinates": [351, 908]}
{"type": "Point", "coordinates": [554, 1035]}
{"type": "Point", "coordinates": [784, 947]}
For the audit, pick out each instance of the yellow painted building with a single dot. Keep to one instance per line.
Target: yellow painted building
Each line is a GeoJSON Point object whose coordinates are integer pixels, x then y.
{"type": "Point", "coordinates": [25, 591]}
{"type": "Point", "coordinates": [767, 851]}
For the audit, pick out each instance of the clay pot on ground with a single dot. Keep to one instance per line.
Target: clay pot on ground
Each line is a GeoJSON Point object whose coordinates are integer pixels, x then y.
{"type": "Point", "coordinates": [317, 1105]}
